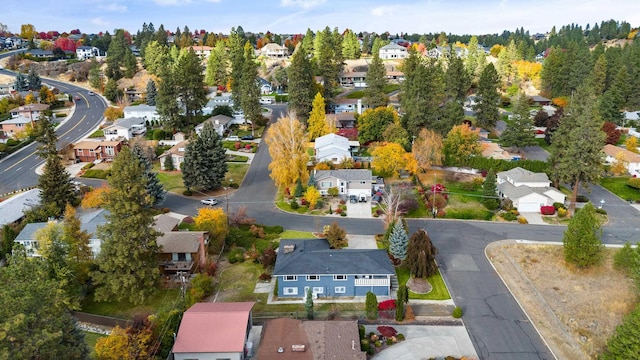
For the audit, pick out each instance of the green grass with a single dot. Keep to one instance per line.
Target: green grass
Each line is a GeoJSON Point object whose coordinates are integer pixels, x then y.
{"type": "Point", "coordinates": [236, 172]}
{"type": "Point", "coordinates": [439, 291]}
{"type": "Point", "coordinates": [237, 158]}
{"type": "Point", "coordinates": [97, 134]}
{"type": "Point", "coordinates": [390, 88]}
{"type": "Point", "coordinates": [96, 174]}
{"type": "Point", "coordinates": [171, 181]}
{"type": "Point", "coordinates": [543, 144]}
{"type": "Point", "coordinates": [618, 186]}
{"type": "Point", "coordinates": [90, 339]}
{"type": "Point", "coordinates": [358, 94]}
{"type": "Point", "coordinates": [295, 234]}
{"type": "Point", "coordinates": [125, 310]}
{"type": "Point", "coordinates": [421, 211]}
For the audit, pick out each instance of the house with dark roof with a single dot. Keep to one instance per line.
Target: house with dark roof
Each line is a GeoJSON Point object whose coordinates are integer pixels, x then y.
{"type": "Point", "coordinates": [312, 264]}
{"type": "Point", "coordinates": [213, 331]}
{"type": "Point", "coordinates": [292, 339]}
{"type": "Point", "coordinates": [528, 190]}
{"type": "Point", "coordinates": [180, 251]}
{"type": "Point", "coordinates": [348, 181]}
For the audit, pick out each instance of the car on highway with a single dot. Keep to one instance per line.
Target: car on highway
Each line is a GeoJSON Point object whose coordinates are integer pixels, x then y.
{"type": "Point", "coordinates": [77, 98]}
{"type": "Point", "coordinates": [91, 93]}
{"type": "Point", "coordinates": [247, 137]}
{"type": "Point", "coordinates": [209, 201]}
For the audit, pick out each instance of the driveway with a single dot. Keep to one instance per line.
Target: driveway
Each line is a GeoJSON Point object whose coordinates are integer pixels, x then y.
{"type": "Point", "coordinates": [360, 210]}
{"type": "Point", "coordinates": [533, 218]}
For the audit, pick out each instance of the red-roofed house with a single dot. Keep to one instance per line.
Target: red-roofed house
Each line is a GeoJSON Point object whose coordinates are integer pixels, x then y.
{"type": "Point", "coordinates": [214, 331]}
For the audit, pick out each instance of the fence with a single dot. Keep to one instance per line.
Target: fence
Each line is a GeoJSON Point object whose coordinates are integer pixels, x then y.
{"type": "Point", "coordinates": [100, 320]}
{"type": "Point", "coordinates": [259, 318]}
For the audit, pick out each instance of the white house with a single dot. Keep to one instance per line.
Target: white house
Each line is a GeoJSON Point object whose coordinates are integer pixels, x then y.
{"type": "Point", "coordinates": [126, 128]}
{"type": "Point", "coordinates": [393, 51]}
{"type": "Point", "coordinates": [273, 50]}
{"type": "Point", "coordinates": [631, 160]}
{"type": "Point", "coordinates": [202, 51]}
{"type": "Point", "coordinates": [220, 123]}
{"type": "Point", "coordinates": [333, 148]}
{"type": "Point", "coordinates": [356, 182]}
{"type": "Point", "coordinates": [148, 113]}
{"type": "Point", "coordinates": [224, 99]}
{"type": "Point", "coordinates": [345, 105]}
{"type": "Point", "coordinates": [528, 190]}
{"type": "Point", "coordinates": [86, 52]}
{"type": "Point", "coordinates": [177, 155]}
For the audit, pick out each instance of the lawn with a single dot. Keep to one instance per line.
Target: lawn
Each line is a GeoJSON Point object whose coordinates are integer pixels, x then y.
{"type": "Point", "coordinates": [97, 134]}
{"type": "Point", "coordinates": [390, 88]}
{"type": "Point", "coordinates": [358, 94]}
{"type": "Point", "coordinates": [295, 234]}
{"type": "Point", "coordinates": [439, 291]}
{"type": "Point", "coordinates": [618, 186]}
{"type": "Point", "coordinates": [125, 310]}
{"type": "Point", "coordinates": [171, 180]}
{"type": "Point", "coordinates": [90, 339]}
{"type": "Point", "coordinates": [543, 144]}
{"type": "Point", "coordinates": [236, 172]}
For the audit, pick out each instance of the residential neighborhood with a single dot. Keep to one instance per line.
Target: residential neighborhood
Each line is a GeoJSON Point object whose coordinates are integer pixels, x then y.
{"type": "Point", "coordinates": [330, 193]}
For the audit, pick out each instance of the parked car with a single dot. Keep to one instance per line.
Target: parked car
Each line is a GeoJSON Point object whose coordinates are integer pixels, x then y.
{"type": "Point", "coordinates": [353, 199]}
{"type": "Point", "coordinates": [265, 101]}
{"type": "Point", "coordinates": [209, 201]}
{"type": "Point", "coordinates": [233, 138]}
{"type": "Point", "coordinates": [247, 137]}
{"type": "Point", "coordinates": [91, 93]}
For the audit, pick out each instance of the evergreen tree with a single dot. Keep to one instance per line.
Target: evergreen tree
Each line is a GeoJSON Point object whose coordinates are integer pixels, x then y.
{"type": "Point", "coordinates": [130, 64]}
{"type": "Point", "coordinates": [625, 342]}
{"type": "Point", "coordinates": [599, 75]}
{"type": "Point", "coordinates": [155, 57]}
{"type": "Point", "coordinates": [307, 43]}
{"type": "Point", "coordinates": [328, 59]}
{"type": "Point", "coordinates": [33, 79]}
{"type": "Point", "coordinates": [376, 82]}
{"type": "Point", "coordinates": [168, 163]}
{"type": "Point", "coordinates": [236, 44]}
{"type": "Point", "coordinates": [112, 92]}
{"type": "Point", "coordinates": [371, 306]}
{"type": "Point", "coordinates": [301, 85]}
{"type": "Point", "coordinates": [452, 115]}
{"type": "Point", "coordinates": [189, 82]}
{"type": "Point", "coordinates": [398, 241]}
{"type": "Point", "coordinates": [154, 187]}
{"type": "Point", "coordinates": [318, 125]}
{"type": "Point", "coordinates": [582, 246]}
{"type": "Point", "coordinates": [475, 61]}
{"type": "Point", "coordinates": [486, 108]}
{"type": "Point", "coordinates": [152, 93]}
{"type": "Point", "coordinates": [116, 56]}
{"type": "Point", "coordinates": [167, 99]}
{"type": "Point", "coordinates": [21, 84]}
{"type": "Point", "coordinates": [350, 46]}
{"type": "Point", "coordinates": [457, 80]}
{"type": "Point", "coordinates": [519, 131]}
{"type": "Point", "coordinates": [249, 87]}
{"type": "Point", "coordinates": [299, 189]}
{"type": "Point", "coordinates": [127, 263]}
{"type": "Point", "coordinates": [217, 65]}
{"type": "Point", "coordinates": [308, 304]}
{"type": "Point", "coordinates": [421, 255]}
{"type": "Point", "coordinates": [204, 163]}
{"type": "Point", "coordinates": [490, 191]}
{"type": "Point", "coordinates": [95, 80]}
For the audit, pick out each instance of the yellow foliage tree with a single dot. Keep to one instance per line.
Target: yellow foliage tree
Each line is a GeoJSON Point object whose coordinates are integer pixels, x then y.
{"type": "Point", "coordinates": [528, 70]}
{"type": "Point", "coordinates": [389, 159]}
{"type": "Point", "coordinates": [411, 164]}
{"type": "Point", "coordinates": [94, 198]}
{"type": "Point", "coordinates": [619, 166]}
{"type": "Point", "coordinates": [323, 166]}
{"type": "Point", "coordinates": [113, 113]}
{"type": "Point", "coordinates": [631, 144]}
{"type": "Point", "coordinates": [461, 144]}
{"type": "Point", "coordinates": [213, 220]}
{"type": "Point", "coordinates": [318, 125]}
{"type": "Point", "coordinates": [29, 99]}
{"type": "Point", "coordinates": [287, 147]}
{"type": "Point", "coordinates": [495, 50]}
{"type": "Point", "coordinates": [427, 149]}
{"type": "Point", "coordinates": [125, 344]}
{"type": "Point", "coordinates": [312, 195]}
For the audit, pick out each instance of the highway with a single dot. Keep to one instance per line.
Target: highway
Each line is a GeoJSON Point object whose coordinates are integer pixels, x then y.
{"type": "Point", "coordinates": [17, 171]}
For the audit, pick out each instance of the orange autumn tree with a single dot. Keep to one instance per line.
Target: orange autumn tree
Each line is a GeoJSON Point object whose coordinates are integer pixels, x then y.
{"type": "Point", "coordinates": [390, 158]}
{"type": "Point", "coordinates": [94, 198]}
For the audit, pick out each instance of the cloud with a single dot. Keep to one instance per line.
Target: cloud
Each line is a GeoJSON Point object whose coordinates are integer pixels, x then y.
{"type": "Point", "coordinates": [171, 2]}
{"type": "Point", "coordinates": [113, 7]}
{"type": "Point", "coordinates": [305, 4]}
{"type": "Point", "coordinates": [99, 21]}
{"type": "Point", "coordinates": [382, 11]}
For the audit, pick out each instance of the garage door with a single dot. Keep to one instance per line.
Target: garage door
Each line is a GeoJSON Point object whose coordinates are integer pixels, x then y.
{"type": "Point", "coordinates": [528, 207]}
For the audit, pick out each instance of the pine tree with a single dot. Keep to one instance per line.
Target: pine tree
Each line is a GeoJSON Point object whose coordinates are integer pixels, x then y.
{"type": "Point", "coordinates": [236, 44]}
{"type": "Point", "coordinates": [421, 255]}
{"type": "Point", "coordinates": [318, 125]}
{"type": "Point", "coordinates": [154, 187]}
{"type": "Point", "coordinates": [452, 115]}
{"type": "Point", "coordinates": [519, 131]}
{"type": "Point", "coordinates": [189, 82]}
{"type": "Point", "coordinates": [204, 163]}
{"type": "Point", "coordinates": [127, 263]}
{"type": "Point", "coordinates": [487, 106]}
{"type": "Point", "coordinates": [398, 241]}
{"type": "Point", "coordinates": [249, 87]}
{"type": "Point", "coordinates": [299, 189]}
{"type": "Point", "coordinates": [328, 59]}
{"type": "Point", "coordinates": [168, 163]}
{"type": "Point", "coordinates": [457, 80]}
{"type": "Point", "coordinates": [167, 99]}
{"type": "Point", "coordinates": [582, 246]}
{"type": "Point", "coordinates": [33, 79]}
{"type": "Point", "coordinates": [307, 43]}
{"type": "Point", "coordinates": [217, 65]}
{"type": "Point", "coordinates": [350, 46]}
{"type": "Point", "coordinates": [376, 82]}
{"type": "Point", "coordinates": [152, 93]}
{"type": "Point", "coordinates": [116, 56]}
{"type": "Point", "coordinates": [21, 83]}
{"type": "Point", "coordinates": [624, 343]}
{"type": "Point", "coordinates": [301, 85]}
{"type": "Point", "coordinates": [79, 253]}
{"type": "Point", "coordinates": [490, 190]}
{"type": "Point", "coordinates": [371, 306]}
{"type": "Point", "coordinates": [475, 61]}
{"type": "Point", "coordinates": [111, 91]}
{"type": "Point", "coordinates": [308, 304]}
{"type": "Point", "coordinates": [130, 64]}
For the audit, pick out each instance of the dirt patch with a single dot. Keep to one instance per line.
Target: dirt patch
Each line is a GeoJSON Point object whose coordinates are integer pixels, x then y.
{"type": "Point", "coordinates": [575, 310]}
{"type": "Point", "coordinates": [419, 285]}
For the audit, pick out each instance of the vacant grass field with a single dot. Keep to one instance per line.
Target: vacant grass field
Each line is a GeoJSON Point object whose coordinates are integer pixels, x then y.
{"type": "Point", "coordinates": [126, 310]}
{"type": "Point", "coordinates": [439, 291]}
{"type": "Point", "coordinates": [618, 186]}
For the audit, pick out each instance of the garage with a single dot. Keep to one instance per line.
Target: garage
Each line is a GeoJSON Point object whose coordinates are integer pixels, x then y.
{"type": "Point", "coordinates": [525, 206]}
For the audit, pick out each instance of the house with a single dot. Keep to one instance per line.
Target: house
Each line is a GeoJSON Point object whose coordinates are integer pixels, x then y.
{"type": "Point", "coordinates": [220, 123]}
{"type": "Point", "coordinates": [393, 51]}
{"type": "Point", "coordinates": [180, 251]}
{"type": "Point", "coordinates": [87, 52]}
{"type": "Point", "coordinates": [224, 99]}
{"type": "Point", "coordinates": [265, 86]}
{"type": "Point", "coordinates": [343, 104]}
{"type": "Point", "coordinates": [345, 120]}
{"type": "Point", "coordinates": [395, 77]}
{"type": "Point", "coordinates": [273, 50]}
{"type": "Point", "coordinates": [333, 148]}
{"type": "Point", "coordinates": [31, 111]}
{"type": "Point", "coordinates": [177, 155]}
{"type": "Point", "coordinates": [631, 115]}
{"type": "Point", "coordinates": [310, 340]}
{"type": "Point", "coordinates": [16, 125]}
{"type": "Point", "coordinates": [147, 112]}
{"type": "Point", "coordinates": [312, 264]}
{"type": "Point", "coordinates": [214, 331]}
{"type": "Point", "coordinates": [40, 54]}
{"type": "Point", "coordinates": [351, 79]}
{"type": "Point", "coordinates": [90, 151]}
{"type": "Point", "coordinates": [12, 210]}
{"type": "Point", "coordinates": [494, 151]}
{"type": "Point", "coordinates": [348, 181]}
{"type": "Point", "coordinates": [631, 159]}
{"type": "Point", "coordinates": [528, 190]}
{"type": "Point", "coordinates": [540, 100]}
{"type": "Point", "coordinates": [202, 51]}
{"type": "Point", "coordinates": [126, 129]}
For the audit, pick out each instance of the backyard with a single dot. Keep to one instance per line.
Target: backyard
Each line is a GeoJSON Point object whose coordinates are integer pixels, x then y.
{"type": "Point", "coordinates": [126, 310]}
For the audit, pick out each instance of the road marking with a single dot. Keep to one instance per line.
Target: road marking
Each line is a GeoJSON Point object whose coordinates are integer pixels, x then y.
{"type": "Point", "coordinates": [16, 164]}
{"type": "Point", "coordinates": [74, 126]}
{"type": "Point", "coordinates": [18, 169]}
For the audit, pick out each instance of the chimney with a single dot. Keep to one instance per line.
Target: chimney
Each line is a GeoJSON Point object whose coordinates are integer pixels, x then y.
{"type": "Point", "coordinates": [289, 248]}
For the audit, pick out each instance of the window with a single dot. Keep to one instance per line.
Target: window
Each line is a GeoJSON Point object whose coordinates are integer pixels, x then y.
{"type": "Point", "coordinates": [339, 277]}
{"type": "Point", "coordinates": [325, 184]}
{"type": "Point", "coordinates": [313, 277]}
{"type": "Point", "coordinates": [363, 182]}
{"type": "Point", "coordinates": [290, 290]}
{"type": "Point", "coordinates": [340, 289]}
{"type": "Point", "coordinates": [290, 278]}
{"type": "Point", "coordinates": [318, 290]}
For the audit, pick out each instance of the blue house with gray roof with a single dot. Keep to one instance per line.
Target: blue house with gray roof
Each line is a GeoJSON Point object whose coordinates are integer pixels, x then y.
{"type": "Point", "coordinates": [312, 264]}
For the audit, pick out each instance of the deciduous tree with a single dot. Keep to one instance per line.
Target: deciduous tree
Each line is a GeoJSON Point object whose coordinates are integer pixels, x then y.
{"type": "Point", "coordinates": [213, 220]}
{"type": "Point", "coordinates": [204, 165]}
{"type": "Point", "coordinates": [313, 196]}
{"type": "Point", "coordinates": [582, 246]}
{"type": "Point", "coordinates": [427, 149]}
{"type": "Point", "coordinates": [619, 165]}
{"type": "Point", "coordinates": [335, 235]}
{"type": "Point", "coordinates": [389, 159]}
{"type": "Point", "coordinates": [631, 144]}
{"type": "Point", "coordinates": [373, 122]}
{"type": "Point", "coordinates": [113, 113]}
{"type": "Point", "coordinates": [460, 144]}
{"type": "Point", "coordinates": [421, 255]}
{"type": "Point", "coordinates": [318, 125]}
{"type": "Point", "coordinates": [287, 146]}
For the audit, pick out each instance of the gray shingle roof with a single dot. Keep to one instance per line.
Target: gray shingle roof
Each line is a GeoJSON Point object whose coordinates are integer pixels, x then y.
{"type": "Point", "coordinates": [128, 122]}
{"type": "Point", "coordinates": [519, 174]}
{"type": "Point", "coordinates": [12, 209]}
{"type": "Point", "coordinates": [315, 257]}
{"type": "Point", "coordinates": [344, 174]}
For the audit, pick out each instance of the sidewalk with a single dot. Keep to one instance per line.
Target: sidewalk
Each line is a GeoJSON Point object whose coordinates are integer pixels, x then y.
{"type": "Point", "coordinates": [242, 153]}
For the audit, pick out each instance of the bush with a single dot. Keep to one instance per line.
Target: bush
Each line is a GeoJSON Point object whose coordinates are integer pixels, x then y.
{"type": "Point", "coordinates": [634, 183]}
{"type": "Point", "coordinates": [364, 344]}
{"type": "Point", "coordinates": [509, 216]}
{"type": "Point", "coordinates": [547, 210]}
{"type": "Point", "coordinates": [294, 204]}
{"type": "Point", "coordinates": [400, 337]}
{"type": "Point", "coordinates": [562, 212]}
{"type": "Point", "coordinates": [371, 306]}
{"type": "Point", "coordinates": [378, 343]}
{"type": "Point", "coordinates": [522, 220]}
{"type": "Point", "coordinates": [187, 192]}
{"type": "Point", "coordinates": [558, 205]}
{"type": "Point", "coordinates": [601, 211]}
{"type": "Point", "coordinates": [626, 258]}
{"type": "Point", "coordinates": [12, 142]}
{"type": "Point", "coordinates": [387, 305]}
{"type": "Point", "coordinates": [234, 185]}
{"type": "Point", "coordinates": [389, 341]}
{"type": "Point", "coordinates": [387, 331]}
{"type": "Point", "coordinates": [361, 330]}
{"type": "Point", "coordinates": [158, 134]}
{"type": "Point", "coordinates": [188, 220]}
{"type": "Point", "coordinates": [457, 314]}
{"type": "Point", "coordinates": [264, 277]}
{"type": "Point", "coordinates": [582, 199]}
{"type": "Point", "coordinates": [343, 214]}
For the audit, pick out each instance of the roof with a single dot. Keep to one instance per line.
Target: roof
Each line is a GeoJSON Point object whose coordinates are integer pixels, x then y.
{"type": "Point", "coordinates": [345, 116]}
{"type": "Point", "coordinates": [272, 46]}
{"type": "Point", "coordinates": [393, 47]}
{"type": "Point", "coordinates": [517, 192]}
{"type": "Point", "coordinates": [180, 242]}
{"type": "Point", "coordinates": [127, 123]}
{"type": "Point", "coordinates": [629, 156]}
{"type": "Point", "coordinates": [631, 115]}
{"type": "Point", "coordinates": [89, 144]}
{"type": "Point", "coordinates": [220, 119]}
{"type": "Point", "coordinates": [315, 257]}
{"type": "Point", "coordinates": [284, 332]}
{"type": "Point", "coordinates": [201, 48]}
{"type": "Point", "coordinates": [30, 107]}
{"type": "Point", "coordinates": [137, 108]}
{"type": "Point", "coordinates": [165, 223]}
{"type": "Point", "coordinates": [344, 174]}
{"type": "Point", "coordinates": [88, 222]}
{"type": "Point", "coordinates": [176, 149]}
{"type": "Point", "coordinates": [12, 209]}
{"type": "Point", "coordinates": [17, 120]}
{"type": "Point", "coordinates": [344, 100]}
{"type": "Point", "coordinates": [201, 331]}
{"type": "Point", "coordinates": [332, 139]}
{"type": "Point", "coordinates": [354, 74]}
{"type": "Point", "coordinates": [519, 174]}
{"type": "Point", "coordinates": [334, 339]}
{"type": "Point", "coordinates": [538, 98]}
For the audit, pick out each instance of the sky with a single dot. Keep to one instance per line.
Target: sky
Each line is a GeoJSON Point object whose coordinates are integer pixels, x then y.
{"type": "Point", "coordinates": [295, 16]}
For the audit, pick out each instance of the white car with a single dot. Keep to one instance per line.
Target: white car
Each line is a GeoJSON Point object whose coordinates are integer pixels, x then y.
{"type": "Point", "coordinates": [266, 101]}
{"type": "Point", "coordinates": [233, 138]}
{"type": "Point", "coordinates": [209, 201]}
{"type": "Point", "coordinates": [91, 93]}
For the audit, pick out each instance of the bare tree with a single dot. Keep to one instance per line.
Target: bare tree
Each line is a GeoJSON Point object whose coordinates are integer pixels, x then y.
{"type": "Point", "coordinates": [392, 205]}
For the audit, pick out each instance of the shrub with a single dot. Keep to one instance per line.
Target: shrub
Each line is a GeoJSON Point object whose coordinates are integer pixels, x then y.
{"type": "Point", "coordinates": [371, 306]}
{"type": "Point", "coordinates": [165, 210]}
{"type": "Point", "coordinates": [371, 351]}
{"type": "Point", "coordinates": [188, 220]}
{"type": "Point", "coordinates": [304, 202]}
{"type": "Point", "coordinates": [457, 313]}
{"type": "Point", "coordinates": [387, 331]}
{"type": "Point", "coordinates": [509, 216]}
{"type": "Point", "coordinates": [343, 214]}
{"type": "Point", "coordinates": [378, 343]}
{"type": "Point", "coordinates": [88, 166]}
{"type": "Point", "coordinates": [547, 210]}
{"type": "Point", "coordinates": [582, 199]}
{"type": "Point", "coordinates": [364, 344]}
{"type": "Point", "coordinates": [387, 305]}
{"type": "Point", "coordinates": [389, 341]}
{"type": "Point", "coordinates": [522, 220]}
{"type": "Point", "coordinates": [361, 331]}
{"type": "Point", "coordinates": [187, 192]}
{"type": "Point", "coordinates": [264, 277]}
{"type": "Point", "coordinates": [294, 204]}
{"type": "Point", "coordinates": [342, 202]}
{"type": "Point", "coordinates": [634, 183]}
{"type": "Point", "coordinates": [559, 205]}
{"type": "Point", "coordinates": [400, 337]}
{"type": "Point", "coordinates": [506, 204]}
{"type": "Point", "coordinates": [338, 211]}
{"type": "Point", "coordinates": [12, 142]}
{"type": "Point", "coordinates": [626, 258]}
{"type": "Point", "coordinates": [601, 211]}
{"type": "Point", "coordinates": [158, 134]}
{"type": "Point", "coordinates": [237, 145]}
{"type": "Point", "coordinates": [562, 212]}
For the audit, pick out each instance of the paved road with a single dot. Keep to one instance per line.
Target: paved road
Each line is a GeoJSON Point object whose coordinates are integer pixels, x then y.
{"type": "Point", "coordinates": [18, 169]}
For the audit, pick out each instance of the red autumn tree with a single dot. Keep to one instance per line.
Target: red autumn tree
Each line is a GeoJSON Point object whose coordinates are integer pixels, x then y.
{"type": "Point", "coordinates": [613, 134]}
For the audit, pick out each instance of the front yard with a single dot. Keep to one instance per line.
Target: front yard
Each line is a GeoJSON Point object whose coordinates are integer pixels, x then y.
{"type": "Point", "coordinates": [618, 186]}
{"type": "Point", "coordinates": [439, 291]}
{"type": "Point", "coordinates": [172, 180]}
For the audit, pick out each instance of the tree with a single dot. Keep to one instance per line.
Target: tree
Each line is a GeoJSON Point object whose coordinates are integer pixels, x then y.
{"type": "Point", "coordinates": [79, 254]}
{"type": "Point", "coordinates": [7, 235]}
{"type": "Point", "coordinates": [397, 134]}
{"type": "Point", "coordinates": [350, 46]}
{"type": "Point", "coordinates": [427, 149]}
{"type": "Point", "coordinates": [168, 163]}
{"type": "Point", "coordinates": [371, 306]}
{"type": "Point", "coordinates": [249, 87]}
{"type": "Point", "coordinates": [112, 92]}
{"type": "Point", "coordinates": [217, 65]}
{"type": "Point", "coordinates": [167, 99]}
{"type": "Point", "coordinates": [389, 159]}
{"type": "Point", "coordinates": [215, 221]}
{"type": "Point", "coordinates": [33, 79]}
{"type": "Point", "coordinates": [127, 266]}
{"type": "Point", "coordinates": [486, 107]}
{"type": "Point", "coordinates": [631, 144]}
{"type": "Point", "coordinates": [318, 125]}
{"type": "Point", "coordinates": [236, 43]}
{"type": "Point", "coordinates": [152, 93]}
{"type": "Point", "coordinates": [154, 187]}
{"type": "Point", "coordinates": [308, 304]}
{"type": "Point", "coordinates": [624, 343]}
{"type": "Point", "coordinates": [376, 82]}
{"type": "Point", "coordinates": [398, 241]}
{"type": "Point", "coordinates": [612, 133]}
{"type": "Point", "coordinates": [620, 164]}
{"type": "Point", "coordinates": [21, 84]}
{"type": "Point", "coordinates": [155, 55]}
{"type": "Point", "coordinates": [457, 80]}
{"type": "Point", "coordinates": [130, 65]}
{"type": "Point", "coordinates": [576, 149]}
{"type": "Point", "coordinates": [335, 235]}
{"type": "Point", "coordinates": [421, 255]}
{"type": "Point", "coordinates": [582, 246]}
{"type": "Point", "coordinates": [34, 321]}
{"type": "Point", "coordinates": [313, 196]}
{"type": "Point", "coordinates": [113, 113]}
{"type": "Point", "coordinates": [373, 122]}
{"type": "Point", "coordinates": [28, 31]}
{"type": "Point", "coordinates": [519, 131]}
{"type": "Point", "coordinates": [135, 342]}
{"type": "Point", "coordinates": [476, 60]}
{"type": "Point", "coordinates": [287, 147]}
{"type": "Point", "coordinates": [189, 83]}
{"type": "Point", "coordinates": [328, 57]}
{"type": "Point", "coordinates": [116, 56]}
{"type": "Point", "coordinates": [204, 165]}
{"type": "Point", "coordinates": [94, 199]}
{"type": "Point", "coordinates": [201, 287]}
{"type": "Point", "coordinates": [301, 85]}
{"type": "Point", "coordinates": [461, 144]}
{"type": "Point", "coordinates": [490, 190]}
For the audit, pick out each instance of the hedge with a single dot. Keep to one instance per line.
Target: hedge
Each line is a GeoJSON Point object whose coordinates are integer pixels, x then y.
{"type": "Point", "coordinates": [634, 183]}
{"type": "Point", "coordinates": [481, 163]}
